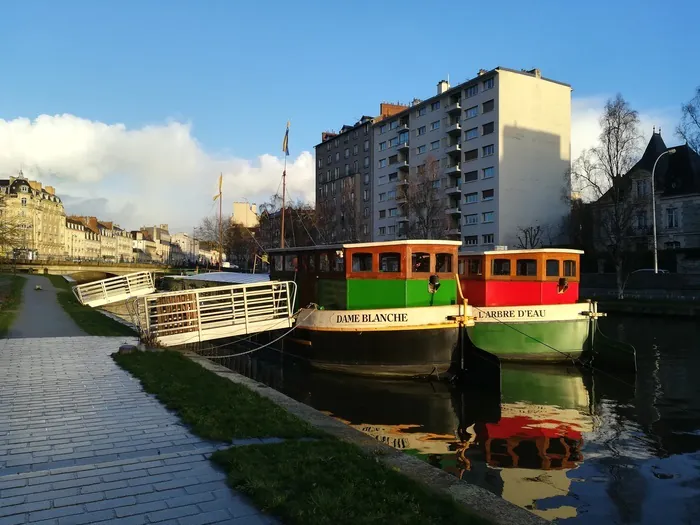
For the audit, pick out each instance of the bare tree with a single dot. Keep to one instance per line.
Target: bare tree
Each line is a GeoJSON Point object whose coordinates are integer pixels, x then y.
{"type": "Point", "coordinates": [530, 237]}
{"type": "Point", "coordinates": [12, 230]}
{"type": "Point", "coordinates": [208, 230]}
{"type": "Point", "coordinates": [424, 202]}
{"type": "Point", "coordinates": [599, 173]}
{"type": "Point", "coordinates": [348, 211]}
{"type": "Point", "coordinates": [689, 127]}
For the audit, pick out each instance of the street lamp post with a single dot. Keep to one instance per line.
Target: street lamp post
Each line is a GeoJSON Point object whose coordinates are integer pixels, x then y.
{"type": "Point", "coordinates": [653, 207]}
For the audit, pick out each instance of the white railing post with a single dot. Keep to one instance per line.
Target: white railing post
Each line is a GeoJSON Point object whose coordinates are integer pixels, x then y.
{"type": "Point", "coordinates": [199, 317]}
{"type": "Point", "coordinates": [245, 309]}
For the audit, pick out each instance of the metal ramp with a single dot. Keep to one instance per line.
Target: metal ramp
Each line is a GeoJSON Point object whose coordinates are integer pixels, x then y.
{"type": "Point", "coordinates": [114, 289]}
{"type": "Point", "coordinates": [191, 316]}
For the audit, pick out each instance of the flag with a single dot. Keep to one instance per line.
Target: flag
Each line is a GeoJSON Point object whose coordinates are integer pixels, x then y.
{"type": "Point", "coordinates": [220, 180]}
{"type": "Point", "coordinates": [285, 142]}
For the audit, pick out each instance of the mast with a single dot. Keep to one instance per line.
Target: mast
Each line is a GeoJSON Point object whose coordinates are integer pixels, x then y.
{"type": "Point", "coordinates": [221, 230]}
{"type": "Point", "coordinates": [285, 149]}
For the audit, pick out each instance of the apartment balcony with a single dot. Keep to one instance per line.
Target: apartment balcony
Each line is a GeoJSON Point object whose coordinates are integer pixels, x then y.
{"type": "Point", "coordinates": [402, 165]}
{"type": "Point", "coordinates": [454, 190]}
{"type": "Point", "coordinates": [454, 171]}
{"type": "Point", "coordinates": [454, 108]}
{"type": "Point", "coordinates": [453, 232]}
{"type": "Point", "coordinates": [454, 129]}
{"type": "Point", "coordinates": [403, 146]}
{"type": "Point", "coordinates": [454, 149]}
{"type": "Point", "coordinates": [401, 198]}
{"type": "Point", "coordinates": [403, 181]}
{"type": "Point", "coordinates": [454, 211]}
{"type": "Point", "coordinates": [402, 218]}
{"type": "Point", "coordinates": [403, 126]}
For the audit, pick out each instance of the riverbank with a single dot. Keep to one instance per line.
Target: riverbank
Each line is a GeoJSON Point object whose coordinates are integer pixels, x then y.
{"type": "Point", "coordinates": [90, 320]}
{"type": "Point", "coordinates": [304, 466]}
{"type": "Point", "coordinates": [649, 307]}
{"type": "Point", "coordinates": [11, 288]}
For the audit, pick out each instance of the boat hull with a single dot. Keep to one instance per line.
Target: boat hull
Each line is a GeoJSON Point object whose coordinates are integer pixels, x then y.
{"type": "Point", "coordinates": [397, 342]}
{"type": "Point", "coordinates": [538, 333]}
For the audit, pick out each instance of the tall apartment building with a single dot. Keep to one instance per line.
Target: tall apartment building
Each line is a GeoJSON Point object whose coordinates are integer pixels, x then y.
{"type": "Point", "coordinates": [245, 214]}
{"type": "Point", "coordinates": [501, 142]}
{"type": "Point", "coordinates": [344, 166]}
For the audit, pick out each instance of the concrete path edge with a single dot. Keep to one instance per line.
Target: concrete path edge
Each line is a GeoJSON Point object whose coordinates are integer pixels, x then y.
{"type": "Point", "coordinates": [476, 499]}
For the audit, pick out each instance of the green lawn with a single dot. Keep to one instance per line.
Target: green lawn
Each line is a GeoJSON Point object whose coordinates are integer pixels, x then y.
{"type": "Point", "coordinates": [10, 299]}
{"type": "Point", "coordinates": [88, 319]}
{"type": "Point", "coordinates": [329, 482]}
{"type": "Point", "coordinates": [323, 481]}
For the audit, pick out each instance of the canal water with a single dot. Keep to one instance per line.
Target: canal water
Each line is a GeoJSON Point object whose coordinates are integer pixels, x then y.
{"type": "Point", "coordinates": [578, 448]}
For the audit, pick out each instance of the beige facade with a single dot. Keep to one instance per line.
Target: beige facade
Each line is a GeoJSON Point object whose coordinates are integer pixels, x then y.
{"type": "Point", "coordinates": [125, 249]}
{"type": "Point", "coordinates": [74, 243]}
{"type": "Point", "coordinates": [108, 242]}
{"type": "Point", "coordinates": [245, 214]}
{"type": "Point", "coordinates": [38, 214]}
{"type": "Point", "coordinates": [144, 246]}
{"type": "Point", "coordinates": [188, 247]}
{"type": "Point", "coordinates": [161, 237]}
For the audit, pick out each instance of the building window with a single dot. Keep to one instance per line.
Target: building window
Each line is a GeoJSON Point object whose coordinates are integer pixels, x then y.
{"type": "Point", "coordinates": [320, 163]}
{"type": "Point", "coordinates": [365, 212]}
{"type": "Point", "coordinates": [347, 169]}
{"type": "Point", "coordinates": [366, 146]}
{"type": "Point", "coordinates": [391, 195]}
{"type": "Point", "coordinates": [403, 137]}
{"type": "Point", "coordinates": [471, 198]}
{"type": "Point", "coordinates": [390, 262]}
{"type": "Point", "coordinates": [471, 176]}
{"type": "Point", "coordinates": [435, 145]}
{"type": "Point", "coordinates": [382, 146]}
{"type": "Point", "coordinates": [420, 262]}
{"type": "Point", "coordinates": [347, 153]}
{"type": "Point", "coordinates": [420, 131]}
{"type": "Point", "coordinates": [361, 262]}
{"type": "Point", "coordinates": [393, 177]}
{"type": "Point", "coordinates": [487, 106]}
{"type": "Point", "coordinates": [487, 151]}
{"type": "Point", "coordinates": [472, 91]}
{"type": "Point", "coordinates": [366, 163]}
{"type": "Point", "coordinates": [382, 197]}
{"type": "Point", "coordinates": [355, 149]}
{"type": "Point", "coordinates": [471, 133]}
{"type": "Point", "coordinates": [526, 267]}
{"type": "Point", "coordinates": [472, 154]}
{"type": "Point", "coordinates": [671, 218]}
{"type": "Point", "coordinates": [435, 184]}
{"type": "Point", "coordinates": [422, 111]}
{"type": "Point", "coordinates": [393, 124]}
{"type": "Point", "coordinates": [471, 219]}
{"type": "Point", "coordinates": [365, 195]}
{"type": "Point", "coordinates": [487, 195]}
{"type": "Point", "coordinates": [435, 106]}
{"type": "Point", "coordinates": [382, 163]}
{"type": "Point", "coordinates": [393, 212]}
{"type": "Point", "coordinates": [487, 129]}
{"type": "Point", "coordinates": [394, 142]}
{"type": "Point", "coordinates": [471, 240]}
{"type": "Point", "coordinates": [642, 220]}
{"type": "Point", "coordinates": [487, 216]}
{"type": "Point", "coordinates": [488, 172]}
{"type": "Point", "coordinates": [355, 166]}
{"type": "Point", "coordinates": [434, 125]}
{"type": "Point", "coordinates": [382, 214]}
{"type": "Point", "coordinates": [500, 267]}
{"type": "Point", "coordinates": [329, 160]}
{"type": "Point", "coordinates": [488, 84]}
{"type": "Point", "coordinates": [364, 229]}
{"type": "Point", "coordinates": [672, 245]}
{"type": "Point", "coordinates": [391, 230]}
{"type": "Point", "coordinates": [420, 149]}
{"type": "Point", "coordinates": [366, 178]}
{"type": "Point", "coordinates": [24, 202]}
{"type": "Point", "coordinates": [393, 159]}
{"type": "Point", "coordinates": [382, 230]}
{"type": "Point", "coordinates": [642, 187]}
{"type": "Point", "coordinates": [336, 173]}
{"type": "Point", "coordinates": [552, 268]}
{"type": "Point", "coordinates": [337, 155]}
{"type": "Point", "coordinates": [569, 268]}
{"type": "Point", "coordinates": [473, 112]}
{"type": "Point", "coordinates": [382, 128]}
{"type": "Point", "coordinates": [381, 180]}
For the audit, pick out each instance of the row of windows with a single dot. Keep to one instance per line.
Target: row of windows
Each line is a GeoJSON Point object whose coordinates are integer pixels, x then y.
{"type": "Point", "coordinates": [471, 91]}
{"type": "Point", "coordinates": [391, 262]}
{"type": "Point", "coordinates": [473, 240]}
{"type": "Point", "coordinates": [473, 218]}
{"type": "Point", "coordinates": [355, 151]}
{"type": "Point", "coordinates": [473, 197]}
{"type": "Point", "coordinates": [355, 134]}
{"type": "Point", "coordinates": [473, 133]}
{"type": "Point", "coordinates": [473, 111]}
{"type": "Point", "coordinates": [486, 173]}
{"type": "Point", "coordinates": [523, 267]}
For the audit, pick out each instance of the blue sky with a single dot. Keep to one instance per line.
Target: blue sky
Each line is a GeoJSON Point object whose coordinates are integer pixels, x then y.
{"type": "Point", "coordinates": [236, 71]}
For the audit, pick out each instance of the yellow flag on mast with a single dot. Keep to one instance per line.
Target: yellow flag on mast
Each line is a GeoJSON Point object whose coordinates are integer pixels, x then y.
{"type": "Point", "coordinates": [220, 181]}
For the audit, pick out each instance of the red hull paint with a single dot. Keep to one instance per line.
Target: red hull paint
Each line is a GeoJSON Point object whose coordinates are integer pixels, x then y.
{"type": "Point", "coordinates": [526, 427]}
{"type": "Point", "coordinates": [517, 293]}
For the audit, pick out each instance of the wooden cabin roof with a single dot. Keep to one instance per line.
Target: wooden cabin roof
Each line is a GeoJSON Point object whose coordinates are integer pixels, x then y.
{"type": "Point", "coordinates": [364, 245]}
{"type": "Point", "coordinates": [519, 252]}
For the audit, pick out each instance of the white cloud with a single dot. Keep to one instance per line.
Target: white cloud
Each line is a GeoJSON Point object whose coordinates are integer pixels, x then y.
{"type": "Point", "coordinates": [585, 128]}
{"type": "Point", "coordinates": [154, 174]}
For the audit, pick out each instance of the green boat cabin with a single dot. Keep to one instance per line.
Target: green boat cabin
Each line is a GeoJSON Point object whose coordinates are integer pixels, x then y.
{"type": "Point", "coordinates": [520, 277]}
{"type": "Point", "coordinates": [395, 274]}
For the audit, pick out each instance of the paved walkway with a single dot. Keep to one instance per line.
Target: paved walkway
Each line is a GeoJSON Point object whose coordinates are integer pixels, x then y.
{"type": "Point", "coordinates": [40, 314]}
{"type": "Point", "coordinates": [80, 442]}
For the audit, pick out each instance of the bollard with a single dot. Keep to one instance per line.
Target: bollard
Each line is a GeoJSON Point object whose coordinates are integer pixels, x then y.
{"type": "Point", "coordinates": [127, 349]}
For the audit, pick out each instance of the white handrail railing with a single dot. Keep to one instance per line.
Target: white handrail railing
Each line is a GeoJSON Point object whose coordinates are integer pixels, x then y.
{"type": "Point", "coordinates": [114, 289]}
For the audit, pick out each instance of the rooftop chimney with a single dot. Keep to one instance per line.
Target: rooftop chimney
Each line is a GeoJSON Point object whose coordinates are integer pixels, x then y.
{"type": "Point", "coordinates": [482, 72]}
{"type": "Point", "coordinates": [442, 86]}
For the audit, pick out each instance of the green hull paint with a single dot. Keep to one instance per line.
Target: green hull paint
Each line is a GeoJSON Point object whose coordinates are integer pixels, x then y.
{"type": "Point", "coordinates": [559, 386]}
{"type": "Point", "coordinates": [523, 341]}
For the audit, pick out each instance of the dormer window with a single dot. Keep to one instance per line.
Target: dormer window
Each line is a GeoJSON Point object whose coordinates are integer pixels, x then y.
{"type": "Point", "coordinates": [24, 189]}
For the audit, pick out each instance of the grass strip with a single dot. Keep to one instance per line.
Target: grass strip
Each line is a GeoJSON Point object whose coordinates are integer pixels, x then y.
{"type": "Point", "coordinates": [214, 407]}
{"type": "Point", "coordinates": [331, 482]}
{"type": "Point", "coordinates": [11, 287]}
{"type": "Point", "coordinates": [91, 321]}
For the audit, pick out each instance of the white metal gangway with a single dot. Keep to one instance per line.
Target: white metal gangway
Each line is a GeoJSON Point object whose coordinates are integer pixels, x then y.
{"type": "Point", "coordinates": [201, 314]}
{"type": "Point", "coordinates": [114, 289]}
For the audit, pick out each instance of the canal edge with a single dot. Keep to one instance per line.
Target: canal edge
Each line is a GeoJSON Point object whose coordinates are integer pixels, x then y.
{"type": "Point", "coordinates": [476, 499]}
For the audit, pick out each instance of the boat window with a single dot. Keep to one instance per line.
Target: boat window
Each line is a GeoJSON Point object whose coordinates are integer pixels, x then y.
{"type": "Point", "coordinates": [290, 263]}
{"type": "Point", "coordinates": [277, 262]}
{"type": "Point", "coordinates": [552, 268]}
{"type": "Point", "coordinates": [569, 268]}
{"type": "Point", "coordinates": [420, 262]}
{"type": "Point", "coordinates": [501, 267]}
{"type": "Point", "coordinates": [312, 262]}
{"type": "Point", "coordinates": [526, 267]}
{"type": "Point", "coordinates": [462, 267]}
{"type": "Point", "coordinates": [324, 263]}
{"type": "Point", "coordinates": [339, 261]}
{"type": "Point", "coordinates": [361, 262]}
{"type": "Point", "coordinates": [474, 266]}
{"type": "Point", "coordinates": [443, 263]}
{"type": "Point", "coordinates": [389, 262]}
